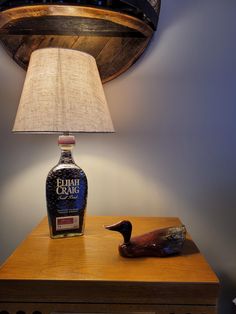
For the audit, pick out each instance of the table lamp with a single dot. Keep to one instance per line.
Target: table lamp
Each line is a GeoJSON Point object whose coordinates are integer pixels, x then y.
{"type": "Point", "coordinates": [63, 94]}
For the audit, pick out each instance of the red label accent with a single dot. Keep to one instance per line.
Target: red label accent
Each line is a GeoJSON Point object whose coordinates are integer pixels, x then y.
{"type": "Point", "coordinates": [65, 221]}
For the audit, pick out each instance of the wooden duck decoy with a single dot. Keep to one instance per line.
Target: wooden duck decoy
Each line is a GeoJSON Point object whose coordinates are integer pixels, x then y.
{"type": "Point", "coordinates": [157, 243]}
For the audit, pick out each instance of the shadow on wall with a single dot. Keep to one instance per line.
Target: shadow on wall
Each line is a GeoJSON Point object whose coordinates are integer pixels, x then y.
{"type": "Point", "coordinates": [227, 295]}
{"type": "Point", "coordinates": [170, 15]}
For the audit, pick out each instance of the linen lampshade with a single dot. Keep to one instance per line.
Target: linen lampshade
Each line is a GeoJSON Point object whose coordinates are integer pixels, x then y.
{"type": "Point", "coordinates": [62, 93]}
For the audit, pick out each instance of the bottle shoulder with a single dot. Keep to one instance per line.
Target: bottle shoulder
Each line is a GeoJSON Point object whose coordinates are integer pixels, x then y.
{"type": "Point", "coordinates": [65, 170]}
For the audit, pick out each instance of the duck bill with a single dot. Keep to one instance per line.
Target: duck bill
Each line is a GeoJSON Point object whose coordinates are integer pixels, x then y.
{"type": "Point", "coordinates": [114, 227]}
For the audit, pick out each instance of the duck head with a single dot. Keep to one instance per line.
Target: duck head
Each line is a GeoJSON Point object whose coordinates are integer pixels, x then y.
{"type": "Point", "coordinates": [124, 227]}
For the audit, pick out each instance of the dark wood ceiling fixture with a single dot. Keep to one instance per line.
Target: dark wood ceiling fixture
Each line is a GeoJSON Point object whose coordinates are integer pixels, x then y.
{"type": "Point", "coordinates": [115, 32]}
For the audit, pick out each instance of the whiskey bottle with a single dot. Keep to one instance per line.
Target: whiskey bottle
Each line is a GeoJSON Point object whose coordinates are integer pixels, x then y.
{"type": "Point", "coordinates": [66, 193]}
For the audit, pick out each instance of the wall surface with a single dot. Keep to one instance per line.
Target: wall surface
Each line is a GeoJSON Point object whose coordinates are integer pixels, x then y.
{"type": "Point", "coordinates": [174, 152]}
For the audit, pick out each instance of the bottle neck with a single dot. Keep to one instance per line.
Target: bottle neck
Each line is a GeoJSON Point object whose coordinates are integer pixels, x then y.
{"type": "Point", "coordinates": [66, 157]}
{"type": "Point", "coordinates": [66, 142]}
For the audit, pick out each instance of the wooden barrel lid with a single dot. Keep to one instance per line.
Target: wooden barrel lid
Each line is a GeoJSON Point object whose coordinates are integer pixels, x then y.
{"type": "Point", "coordinates": [114, 38]}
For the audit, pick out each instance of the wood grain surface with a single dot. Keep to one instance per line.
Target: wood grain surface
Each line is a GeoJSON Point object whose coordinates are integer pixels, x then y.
{"type": "Point", "coordinates": [47, 308]}
{"type": "Point", "coordinates": [89, 269]}
{"type": "Point", "coordinates": [147, 10]}
{"type": "Point", "coordinates": [115, 39]}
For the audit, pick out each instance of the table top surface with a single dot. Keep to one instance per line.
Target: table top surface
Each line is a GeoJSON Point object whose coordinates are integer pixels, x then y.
{"type": "Point", "coordinates": [95, 257]}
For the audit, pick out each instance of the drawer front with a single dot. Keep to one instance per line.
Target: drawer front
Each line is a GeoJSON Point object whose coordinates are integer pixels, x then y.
{"type": "Point", "coordinates": [55, 308]}
{"type": "Point", "coordinates": [187, 309]}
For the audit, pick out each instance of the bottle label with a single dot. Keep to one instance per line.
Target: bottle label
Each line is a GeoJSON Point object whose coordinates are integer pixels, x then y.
{"type": "Point", "coordinates": [66, 223]}
{"type": "Point", "coordinates": [67, 189]}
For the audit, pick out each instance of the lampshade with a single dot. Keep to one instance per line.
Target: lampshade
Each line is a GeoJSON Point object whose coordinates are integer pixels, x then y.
{"type": "Point", "coordinates": [62, 93]}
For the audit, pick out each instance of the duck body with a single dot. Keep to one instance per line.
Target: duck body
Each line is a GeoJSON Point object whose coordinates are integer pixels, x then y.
{"type": "Point", "coordinates": [157, 243]}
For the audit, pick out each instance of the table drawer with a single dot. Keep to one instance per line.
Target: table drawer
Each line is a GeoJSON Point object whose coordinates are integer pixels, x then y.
{"type": "Point", "coordinates": [46, 308]}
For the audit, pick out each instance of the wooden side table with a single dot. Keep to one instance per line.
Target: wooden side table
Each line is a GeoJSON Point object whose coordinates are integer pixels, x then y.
{"type": "Point", "coordinates": [87, 275]}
